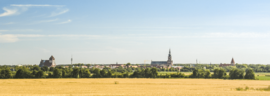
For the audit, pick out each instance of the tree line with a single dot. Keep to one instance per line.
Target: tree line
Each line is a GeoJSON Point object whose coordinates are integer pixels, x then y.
{"type": "Point", "coordinates": [60, 72]}
{"type": "Point", "coordinates": [212, 67]}
{"type": "Point", "coordinates": [222, 74]}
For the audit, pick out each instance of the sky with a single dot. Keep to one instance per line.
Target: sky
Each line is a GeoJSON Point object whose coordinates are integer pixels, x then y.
{"type": "Point", "coordinates": [135, 31]}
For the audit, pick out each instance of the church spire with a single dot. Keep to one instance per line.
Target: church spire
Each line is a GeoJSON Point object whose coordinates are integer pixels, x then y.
{"type": "Point", "coordinates": [232, 62]}
{"type": "Point", "coordinates": [170, 62]}
{"type": "Point", "coordinates": [170, 56]}
{"type": "Point", "coordinates": [169, 52]}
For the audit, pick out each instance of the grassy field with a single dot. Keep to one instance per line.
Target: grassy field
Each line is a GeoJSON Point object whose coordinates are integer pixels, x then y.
{"type": "Point", "coordinates": [263, 76]}
{"type": "Point", "coordinates": [130, 87]}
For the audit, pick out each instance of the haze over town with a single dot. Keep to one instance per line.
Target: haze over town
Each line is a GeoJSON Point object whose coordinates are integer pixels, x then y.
{"type": "Point", "coordinates": [134, 31]}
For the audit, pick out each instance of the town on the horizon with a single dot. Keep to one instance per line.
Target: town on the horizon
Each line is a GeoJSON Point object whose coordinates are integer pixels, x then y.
{"type": "Point", "coordinates": [51, 62]}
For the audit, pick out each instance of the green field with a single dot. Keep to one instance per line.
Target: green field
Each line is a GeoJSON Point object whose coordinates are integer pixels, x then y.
{"type": "Point", "coordinates": [263, 76]}
{"type": "Point", "coordinates": [260, 76]}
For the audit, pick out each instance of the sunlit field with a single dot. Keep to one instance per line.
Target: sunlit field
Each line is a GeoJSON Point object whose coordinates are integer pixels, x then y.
{"type": "Point", "coordinates": [130, 87]}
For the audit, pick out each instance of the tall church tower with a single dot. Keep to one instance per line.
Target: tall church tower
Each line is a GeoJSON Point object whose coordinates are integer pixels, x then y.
{"type": "Point", "coordinates": [232, 62]}
{"type": "Point", "coordinates": [52, 60]}
{"type": "Point", "coordinates": [170, 62]}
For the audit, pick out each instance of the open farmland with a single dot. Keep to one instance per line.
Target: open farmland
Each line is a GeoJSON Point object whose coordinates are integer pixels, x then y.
{"type": "Point", "coordinates": [132, 87]}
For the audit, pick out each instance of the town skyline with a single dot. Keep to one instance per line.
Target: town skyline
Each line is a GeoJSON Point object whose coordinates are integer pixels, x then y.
{"type": "Point", "coordinates": [145, 61]}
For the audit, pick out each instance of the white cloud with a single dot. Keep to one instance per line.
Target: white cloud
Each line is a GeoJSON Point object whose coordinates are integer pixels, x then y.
{"type": "Point", "coordinates": [236, 35]}
{"type": "Point", "coordinates": [8, 38]}
{"type": "Point", "coordinates": [72, 35]}
{"type": "Point", "coordinates": [21, 30]}
{"type": "Point", "coordinates": [14, 37]}
{"type": "Point", "coordinates": [28, 35]}
{"type": "Point", "coordinates": [45, 21]}
{"type": "Point", "coordinates": [65, 22]}
{"type": "Point", "coordinates": [33, 5]}
{"type": "Point", "coordinates": [4, 30]}
{"type": "Point", "coordinates": [59, 12]}
{"type": "Point", "coordinates": [61, 35]}
{"type": "Point", "coordinates": [9, 12]}
{"type": "Point", "coordinates": [205, 35]}
{"type": "Point", "coordinates": [19, 8]}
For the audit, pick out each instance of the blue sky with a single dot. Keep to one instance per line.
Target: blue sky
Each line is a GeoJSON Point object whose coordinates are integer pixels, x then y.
{"type": "Point", "coordinates": [138, 31]}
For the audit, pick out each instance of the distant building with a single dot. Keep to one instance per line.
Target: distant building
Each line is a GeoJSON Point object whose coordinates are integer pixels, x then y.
{"type": "Point", "coordinates": [178, 67]}
{"type": "Point", "coordinates": [163, 64]}
{"type": "Point", "coordinates": [84, 66]}
{"type": "Point", "coordinates": [192, 65]}
{"type": "Point", "coordinates": [48, 63]}
{"type": "Point", "coordinates": [112, 66]}
{"type": "Point", "coordinates": [225, 65]}
{"type": "Point", "coordinates": [133, 66]}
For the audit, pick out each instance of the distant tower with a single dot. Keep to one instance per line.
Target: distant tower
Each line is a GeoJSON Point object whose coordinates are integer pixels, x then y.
{"type": "Point", "coordinates": [52, 60]}
{"type": "Point", "coordinates": [196, 61]}
{"type": "Point", "coordinates": [170, 62]}
{"type": "Point", "coordinates": [232, 62]}
{"type": "Point", "coordinates": [71, 59]}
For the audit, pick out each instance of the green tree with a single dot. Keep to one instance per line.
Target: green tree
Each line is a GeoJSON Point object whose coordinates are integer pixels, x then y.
{"type": "Point", "coordinates": [109, 74]}
{"type": "Point", "coordinates": [92, 70]}
{"type": "Point", "coordinates": [45, 68]}
{"type": "Point", "coordinates": [154, 72]}
{"type": "Point", "coordinates": [88, 65]}
{"type": "Point", "coordinates": [147, 73]}
{"type": "Point", "coordinates": [36, 68]}
{"type": "Point", "coordinates": [96, 73]}
{"type": "Point", "coordinates": [34, 72]}
{"type": "Point", "coordinates": [207, 74]}
{"type": "Point", "coordinates": [50, 75]}
{"type": "Point", "coordinates": [103, 73]}
{"type": "Point", "coordinates": [128, 64]}
{"type": "Point", "coordinates": [5, 73]}
{"type": "Point", "coordinates": [219, 73]}
{"type": "Point", "coordinates": [85, 73]}
{"type": "Point", "coordinates": [250, 74]}
{"type": "Point", "coordinates": [236, 74]}
{"type": "Point", "coordinates": [40, 74]}
{"type": "Point", "coordinates": [222, 73]}
{"type": "Point", "coordinates": [216, 72]}
{"type": "Point", "coordinates": [51, 68]}
{"type": "Point", "coordinates": [195, 73]}
{"type": "Point", "coordinates": [23, 72]}
{"type": "Point", "coordinates": [125, 75]}
{"type": "Point", "coordinates": [63, 73]}
{"type": "Point", "coordinates": [59, 67]}
{"type": "Point", "coordinates": [57, 73]}
{"type": "Point", "coordinates": [75, 72]}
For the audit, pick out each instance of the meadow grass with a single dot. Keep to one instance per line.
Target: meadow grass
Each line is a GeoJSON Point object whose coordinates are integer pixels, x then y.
{"type": "Point", "coordinates": [130, 87]}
